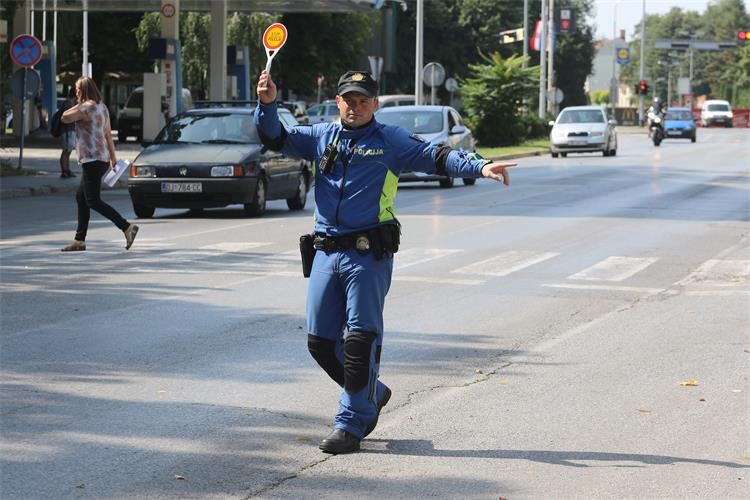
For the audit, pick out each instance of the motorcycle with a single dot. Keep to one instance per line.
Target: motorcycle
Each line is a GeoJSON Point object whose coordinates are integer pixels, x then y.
{"type": "Point", "coordinates": [656, 130]}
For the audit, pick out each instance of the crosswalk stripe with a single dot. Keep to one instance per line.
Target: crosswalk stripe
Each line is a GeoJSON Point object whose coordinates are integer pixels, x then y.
{"type": "Point", "coordinates": [235, 246]}
{"type": "Point", "coordinates": [614, 269]}
{"type": "Point", "coordinates": [719, 273]}
{"type": "Point", "coordinates": [413, 256]}
{"type": "Point", "coordinates": [506, 263]}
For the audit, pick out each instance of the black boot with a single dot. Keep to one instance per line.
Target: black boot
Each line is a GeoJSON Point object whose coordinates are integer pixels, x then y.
{"type": "Point", "coordinates": [339, 441]}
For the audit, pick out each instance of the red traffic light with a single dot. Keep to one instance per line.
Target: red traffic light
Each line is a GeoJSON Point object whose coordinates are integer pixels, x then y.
{"type": "Point", "coordinates": [642, 87]}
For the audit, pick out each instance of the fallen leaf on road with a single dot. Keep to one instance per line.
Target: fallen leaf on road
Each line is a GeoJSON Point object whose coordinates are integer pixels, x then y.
{"type": "Point", "coordinates": [645, 410]}
{"type": "Point", "coordinates": [736, 390]}
{"type": "Point", "coordinates": [503, 382]}
{"type": "Point", "coordinates": [161, 391]}
{"type": "Point", "coordinates": [303, 438]}
{"type": "Point", "coordinates": [177, 476]}
{"type": "Point", "coordinates": [702, 399]}
{"type": "Point", "coordinates": [689, 383]}
{"type": "Point", "coordinates": [81, 486]}
{"type": "Point", "coordinates": [747, 350]}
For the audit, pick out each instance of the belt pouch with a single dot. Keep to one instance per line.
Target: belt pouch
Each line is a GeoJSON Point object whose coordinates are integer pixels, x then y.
{"type": "Point", "coordinates": [307, 252]}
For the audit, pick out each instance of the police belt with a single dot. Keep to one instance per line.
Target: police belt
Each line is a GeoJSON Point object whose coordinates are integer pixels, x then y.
{"type": "Point", "coordinates": [360, 242]}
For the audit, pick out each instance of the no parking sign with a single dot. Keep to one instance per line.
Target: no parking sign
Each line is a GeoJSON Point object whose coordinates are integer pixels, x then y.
{"type": "Point", "coordinates": [25, 50]}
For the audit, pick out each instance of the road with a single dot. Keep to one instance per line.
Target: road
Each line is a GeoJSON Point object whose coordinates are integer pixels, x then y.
{"type": "Point", "coordinates": [583, 333]}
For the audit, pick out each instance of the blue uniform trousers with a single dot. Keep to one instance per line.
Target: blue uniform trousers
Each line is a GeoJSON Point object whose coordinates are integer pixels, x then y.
{"type": "Point", "coordinates": [345, 300]}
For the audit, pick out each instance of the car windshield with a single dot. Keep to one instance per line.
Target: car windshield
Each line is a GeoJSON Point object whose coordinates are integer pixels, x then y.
{"type": "Point", "coordinates": [679, 115]}
{"type": "Point", "coordinates": [718, 107]}
{"type": "Point", "coordinates": [416, 122]}
{"type": "Point", "coordinates": [217, 128]}
{"type": "Point", "coordinates": [581, 116]}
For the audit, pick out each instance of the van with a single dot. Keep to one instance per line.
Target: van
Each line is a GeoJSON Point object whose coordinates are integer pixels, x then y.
{"type": "Point", "coordinates": [716, 112]}
{"type": "Point", "coordinates": [129, 119]}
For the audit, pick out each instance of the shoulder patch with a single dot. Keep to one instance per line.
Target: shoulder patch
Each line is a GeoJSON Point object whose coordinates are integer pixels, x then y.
{"type": "Point", "coordinates": [417, 138]}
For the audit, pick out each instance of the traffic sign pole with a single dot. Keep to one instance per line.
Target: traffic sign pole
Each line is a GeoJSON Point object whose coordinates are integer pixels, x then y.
{"type": "Point", "coordinates": [23, 119]}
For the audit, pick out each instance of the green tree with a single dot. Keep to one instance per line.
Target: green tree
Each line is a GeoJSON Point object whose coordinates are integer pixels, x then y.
{"type": "Point", "coordinates": [493, 96]}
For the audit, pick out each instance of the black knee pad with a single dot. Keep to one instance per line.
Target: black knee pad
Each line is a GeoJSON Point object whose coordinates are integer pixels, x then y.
{"type": "Point", "coordinates": [324, 352]}
{"type": "Point", "coordinates": [357, 348]}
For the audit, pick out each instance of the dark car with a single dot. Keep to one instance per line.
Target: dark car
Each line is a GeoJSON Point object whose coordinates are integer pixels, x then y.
{"type": "Point", "coordinates": [679, 123]}
{"type": "Point", "coordinates": [436, 124]}
{"type": "Point", "coordinates": [213, 157]}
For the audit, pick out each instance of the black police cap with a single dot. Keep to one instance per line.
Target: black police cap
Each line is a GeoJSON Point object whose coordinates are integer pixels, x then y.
{"type": "Point", "coordinates": [358, 81]}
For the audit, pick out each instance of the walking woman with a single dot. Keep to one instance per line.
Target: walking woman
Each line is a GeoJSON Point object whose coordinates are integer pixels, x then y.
{"type": "Point", "coordinates": [96, 154]}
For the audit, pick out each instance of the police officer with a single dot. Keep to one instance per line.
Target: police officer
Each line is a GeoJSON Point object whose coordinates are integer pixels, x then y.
{"type": "Point", "coordinates": [357, 164]}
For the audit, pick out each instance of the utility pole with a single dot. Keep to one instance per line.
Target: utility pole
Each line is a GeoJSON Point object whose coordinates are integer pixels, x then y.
{"type": "Point", "coordinates": [643, 43]}
{"type": "Point", "coordinates": [551, 44]}
{"type": "Point", "coordinates": [543, 60]}
{"type": "Point", "coordinates": [420, 51]}
{"type": "Point", "coordinates": [525, 32]}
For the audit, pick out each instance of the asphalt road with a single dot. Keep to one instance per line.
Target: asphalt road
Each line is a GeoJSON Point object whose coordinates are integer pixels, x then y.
{"type": "Point", "coordinates": [583, 333]}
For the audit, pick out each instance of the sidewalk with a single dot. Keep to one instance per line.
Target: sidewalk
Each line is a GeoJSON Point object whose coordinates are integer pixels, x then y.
{"type": "Point", "coordinates": [41, 153]}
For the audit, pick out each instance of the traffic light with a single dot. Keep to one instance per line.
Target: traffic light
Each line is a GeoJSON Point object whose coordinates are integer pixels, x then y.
{"type": "Point", "coordinates": [643, 87]}
{"type": "Point", "coordinates": [742, 36]}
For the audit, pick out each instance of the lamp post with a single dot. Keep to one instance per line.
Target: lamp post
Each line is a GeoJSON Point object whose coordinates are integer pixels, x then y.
{"type": "Point", "coordinates": [643, 43]}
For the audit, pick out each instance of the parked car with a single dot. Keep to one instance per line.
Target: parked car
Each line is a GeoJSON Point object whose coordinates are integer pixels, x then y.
{"type": "Point", "coordinates": [436, 124]}
{"type": "Point", "coordinates": [582, 129]}
{"type": "Point", "coordinates": [679, 123]}
{"type": "Point", "coordinates": [130, 117]}
{"type": "Point", "coordinates": [716, 112]}
{"type": "Point", "coordinates": [213, 157]}
{"type": "Point", "coordinates": [390, 100]}
{"type": "Point", "coordinates": [327, 111]}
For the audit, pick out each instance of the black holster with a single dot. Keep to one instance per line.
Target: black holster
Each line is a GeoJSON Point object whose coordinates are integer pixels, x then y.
{"type": "Point", "coordinates": [384, 240]}
{"type": "Point", "coordinates": [307, 252]}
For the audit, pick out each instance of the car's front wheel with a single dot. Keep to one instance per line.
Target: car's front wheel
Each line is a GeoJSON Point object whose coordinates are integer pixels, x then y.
{"type": "Point", "coordinates": [297, 202]}
{"type": "Point", "coordinates": [143, 211]}
{"type": "Point", "coordinates": [554, 155]}
{"type": "Point", "coordinates": [257, 206]}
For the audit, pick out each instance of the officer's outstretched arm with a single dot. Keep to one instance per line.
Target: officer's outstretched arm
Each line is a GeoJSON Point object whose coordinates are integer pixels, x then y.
{"type": "Point", "coordinates": [497, 170]}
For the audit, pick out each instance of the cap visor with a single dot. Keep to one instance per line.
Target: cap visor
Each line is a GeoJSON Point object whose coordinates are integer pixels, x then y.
{"type": "Point", "coordinates": [352, 87]}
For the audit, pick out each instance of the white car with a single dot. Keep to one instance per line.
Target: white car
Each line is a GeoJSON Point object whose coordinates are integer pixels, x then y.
{"type": "Point", "coordinates": [716, 112]}
{"type": "Point", "coordinates": [327, 111]}
{"type": "Point", "coordinates": [435, 124]}
{"type": "Point", "coordinates": [582, 129]}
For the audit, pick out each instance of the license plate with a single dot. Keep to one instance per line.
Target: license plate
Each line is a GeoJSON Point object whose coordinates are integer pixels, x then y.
{"type": "Point", "coordinates": [674, 132]}
{"type": "Point", "coordinates": [577, 143]}
{"type": "Point", "coordinates": [181, 187]}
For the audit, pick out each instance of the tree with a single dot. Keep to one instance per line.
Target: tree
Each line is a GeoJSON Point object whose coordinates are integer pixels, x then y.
{"type": "Point", "coordinates": [493, 96]}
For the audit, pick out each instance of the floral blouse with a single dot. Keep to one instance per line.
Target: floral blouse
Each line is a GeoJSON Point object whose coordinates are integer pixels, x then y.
{"type": "Point", "coordinates": [91, 140]}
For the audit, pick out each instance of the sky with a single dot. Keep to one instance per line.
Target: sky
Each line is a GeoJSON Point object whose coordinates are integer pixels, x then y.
{"type": "Point", "coordinates": [629, 13]}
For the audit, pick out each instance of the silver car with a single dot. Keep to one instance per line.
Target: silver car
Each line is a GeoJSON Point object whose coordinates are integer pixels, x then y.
{"type": "Point", "coordinates": [436, 124]}
{"type": "Point", "coordinates": [582, 129]}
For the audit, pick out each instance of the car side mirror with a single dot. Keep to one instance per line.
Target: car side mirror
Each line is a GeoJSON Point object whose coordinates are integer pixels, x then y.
{"type": "Point", "coordinates": [458, 129]}
{"type": "Point", "coordinates": [612, 122]}
{"type": "Point", "coordinates": [551, 123]}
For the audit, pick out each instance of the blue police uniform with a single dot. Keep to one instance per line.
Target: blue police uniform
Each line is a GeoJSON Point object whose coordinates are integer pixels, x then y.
{"type": "Point", "coordinates": [347, 288]}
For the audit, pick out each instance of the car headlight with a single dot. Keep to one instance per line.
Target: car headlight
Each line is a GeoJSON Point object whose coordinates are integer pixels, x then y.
{"type": "Point", "coordinates": [558, 136]}
{"type": "Point", "coordinates": [596, 134]}
{"type": "Point", "coordinates": [222, 171]}
{"type": "Point", "coordinates": [141, 171]}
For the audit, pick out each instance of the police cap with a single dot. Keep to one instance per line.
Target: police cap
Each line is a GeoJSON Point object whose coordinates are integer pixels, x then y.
{"type": "Point", "coordinates": [358, 81]}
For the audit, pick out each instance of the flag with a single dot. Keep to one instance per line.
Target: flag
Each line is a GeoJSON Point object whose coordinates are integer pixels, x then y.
{"type": "Point", "coordinates": [536, 40]}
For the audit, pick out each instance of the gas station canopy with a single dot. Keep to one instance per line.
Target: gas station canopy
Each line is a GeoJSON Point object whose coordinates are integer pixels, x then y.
{"type": "Point", "coordinates": [205, 5]}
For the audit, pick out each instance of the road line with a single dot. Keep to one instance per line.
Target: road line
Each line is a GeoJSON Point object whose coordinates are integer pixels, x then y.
{"type": "Point", "coordinates": [614, 269]}
{"type": "Point", "coordinates": [447, 281]}
{"type": "Point", "coordinates": [506, 263]}
{"type": "Point", "coordinates": [414, 256]}
{"type": "Point", "coordinates": [612, 288]}
{"type": "Point", "coordinates": [235, 246]}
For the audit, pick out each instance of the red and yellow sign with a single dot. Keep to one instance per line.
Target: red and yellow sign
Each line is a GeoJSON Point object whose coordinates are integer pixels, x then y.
{"type": "Point", "coordinates": [274, 36]}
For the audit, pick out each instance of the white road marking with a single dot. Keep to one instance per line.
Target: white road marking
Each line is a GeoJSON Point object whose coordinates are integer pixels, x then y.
{"type": "Point", "coordinates": [614, 269]}
{"type": "Point", "coordinates": [414, 256]}
{"type": "Point", "coordinates": [446, 281]}
{"type": "Point", "coordinates": [612, 288]}
{"type": "Point", "coordinates": [506, 263]}
{"type": "Point", "coordinates": [235, 246]}
{"type": "Point", "coordinates": [716, 272]}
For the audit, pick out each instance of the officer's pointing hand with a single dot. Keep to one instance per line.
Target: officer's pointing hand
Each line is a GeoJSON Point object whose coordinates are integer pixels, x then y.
{"type": "Point", "coordinates": [497, 171]}
{"type": "Point", "coordinates": [266, 88]}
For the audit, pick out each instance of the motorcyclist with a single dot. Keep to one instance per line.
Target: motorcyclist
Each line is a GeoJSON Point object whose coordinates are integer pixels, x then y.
{"type": "Point", "coordinates": [657, 109]}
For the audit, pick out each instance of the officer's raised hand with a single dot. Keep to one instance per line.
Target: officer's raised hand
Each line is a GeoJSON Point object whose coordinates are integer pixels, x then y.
{"type": "Point", "coordinates": [266, 88]}
{"type": "Point", "coordinates": [497, 171]}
